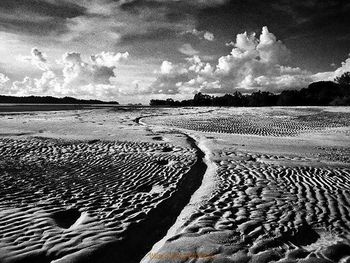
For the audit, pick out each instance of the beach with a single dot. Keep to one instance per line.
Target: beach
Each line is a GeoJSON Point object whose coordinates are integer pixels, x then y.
{"type": "Point", "coordinates": [191, 184]}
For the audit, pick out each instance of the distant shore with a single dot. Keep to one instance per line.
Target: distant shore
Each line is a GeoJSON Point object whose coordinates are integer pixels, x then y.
{"type": "Point", "coordinates": [26, 107]}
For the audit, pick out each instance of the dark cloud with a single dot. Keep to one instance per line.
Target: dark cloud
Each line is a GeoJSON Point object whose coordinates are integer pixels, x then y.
{"type": "Point", "coordinates": [37, 17]}
{"type": "Point", "coordinates": [15, 25]}
{"type": "Point", "coordinates": [134, 6]}
{"type": "Point", "coordinates": [238, 15]}
{"type": "Point", "coordinates": [181, 4]}
{"type": "Point", "coordinates": [162, 10]}
{"type": "Point", "coordinates": [155, 34]}
{"type": "Point", "coordinates": [318, 34]}
{"type": "Point", "coordinates": [60, 9]}
{"type": "Point", "coordinates": [173, 11]}
{"type": "Point", "coordinates": [326, 18]}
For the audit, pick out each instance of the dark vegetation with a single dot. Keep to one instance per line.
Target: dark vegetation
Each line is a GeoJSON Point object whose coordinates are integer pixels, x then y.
{"type": "Point", "coordinates": [50, 100]}
{"type": "Point", "coordinates": [322, 93]}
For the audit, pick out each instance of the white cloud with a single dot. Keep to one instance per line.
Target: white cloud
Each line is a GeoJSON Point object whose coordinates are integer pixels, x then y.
{"type": "Point", "coordinates": [3, 79]}
{"type": "Point", "coordinates": [77, 72]}
{"type": "Point", "coordinates": [181, 78]}
{"type": "Point", "coordinates": [200, 34]}
{"type": "Point", "coordinates": [194, 32]}
{"type": "Point", "coordinates": [5, 84]}
{"type": "Point", "coordinates": [37, 59]}
{"type": "Point", "coordinates": [188, 50]}
{"type": "Point", "coordinates": [23, 87]}
{"type": "Point", "coordinates": [47, 85]}
{"type": "Point", "coordinates": [245, 42]}
{"type": "Point", "coordinates": [94, 78]}
{"type": "Point", "coordinates": [208, 36]}
{"type": "Point", "coordinates": [331, 75]}
{"type": "Point", "coordinates": [270, 49]}
{"type": "Point", "coordinates": [109, 59]}
{"type": "Point", "coordinates": [255, 63]}
{"type": "Point", "coordinates": [166, 67]}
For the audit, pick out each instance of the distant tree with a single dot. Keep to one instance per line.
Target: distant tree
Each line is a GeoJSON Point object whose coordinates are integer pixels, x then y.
{"type": "Point", "coordinates": [50, 100]}
{"type": "Point", "coordinates": [290, 98]}
{"type": "Point", "coordinates": [202, 99]}
{"type": "Point", "coordinates": [234, 99]}
{"type": "Point", "coordinates": [344, 79]}
{"type": "Point", "coordinates": [262, 98]}
{"type": "Point", "coordinates": [316, 94]}
{"type": "Point", "coordinates": [320, 93]}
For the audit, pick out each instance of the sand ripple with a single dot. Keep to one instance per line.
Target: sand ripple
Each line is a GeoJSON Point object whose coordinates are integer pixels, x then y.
{"type": "Point", "coordinates": [269, 123]}
{"type": "Point", "coordinates": [59, 197]}
{"type": "Point", "coordinates": [265, 212]}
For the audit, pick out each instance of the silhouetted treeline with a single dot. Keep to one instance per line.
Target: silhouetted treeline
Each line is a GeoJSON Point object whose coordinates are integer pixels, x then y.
{"type": "Point", "coordinates": [50, 100]}
{"type": "Point", "coordinates": [323, 93]}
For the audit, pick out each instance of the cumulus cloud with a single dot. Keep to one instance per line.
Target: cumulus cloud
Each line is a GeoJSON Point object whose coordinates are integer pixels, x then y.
{"type": "Point", "coordinates": [5, 84]}
{"type": "Point", "coordinates": [22, 87]}
{"type": "Point", "coordinates": [3, 79]}
{"type": "Point", "coordinates": [255, 63]}
{"type": "Point", "coordinates": [93, 78]}
{"type": "Point", "coordinates": [181, 78]}
{"type": "Point", "coordinates": [109, 59]}
{"type": "Point", "coordinates": [77, 72]}
{"type": "Point", "coordinates": [331, 75]}
{"type": "Point", "coordinates": [270, 49]}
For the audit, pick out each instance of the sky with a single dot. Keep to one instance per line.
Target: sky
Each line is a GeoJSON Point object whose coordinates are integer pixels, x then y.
{"type": "Point", "coordinates": [134, 50]}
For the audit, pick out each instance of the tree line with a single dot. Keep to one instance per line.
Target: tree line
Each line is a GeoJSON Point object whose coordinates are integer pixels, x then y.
{"type": "Point", "coordinates": [322, 93]}
{"type": "Point", "coordinates": [50, 100]}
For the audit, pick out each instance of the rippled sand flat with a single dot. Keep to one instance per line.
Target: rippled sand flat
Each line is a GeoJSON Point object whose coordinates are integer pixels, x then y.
{"type": "Point", "coordinates": [269, 213]}
{"type": "Point", "coordinates": [263, 122]}
{"type": "Point", "coordinates": [59, 197]}
{"type": "Point", "coordinates": [281, 190]}
{"type": "Point", "coordinates": [196, 184]}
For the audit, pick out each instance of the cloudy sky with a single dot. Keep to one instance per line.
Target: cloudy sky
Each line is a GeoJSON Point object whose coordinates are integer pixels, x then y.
{"type": "Point", "coordinates": [134, 50]}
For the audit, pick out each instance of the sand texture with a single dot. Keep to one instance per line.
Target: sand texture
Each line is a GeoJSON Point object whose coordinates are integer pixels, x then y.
{"type": "Point", "coordinates": [123, 184]}
{"type": "Point", "coordinates": [283, 197]}
{"type": "Point", "coordinates": [267, 213]}
{"type": "Point", "coordinates": [275, 123]}
{"type": "Point", "coordinates": [60, 198]}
